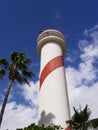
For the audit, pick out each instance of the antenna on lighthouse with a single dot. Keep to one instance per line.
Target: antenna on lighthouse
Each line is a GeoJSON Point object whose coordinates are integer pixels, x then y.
{"type": "Point", "coordinates": [53, 98]}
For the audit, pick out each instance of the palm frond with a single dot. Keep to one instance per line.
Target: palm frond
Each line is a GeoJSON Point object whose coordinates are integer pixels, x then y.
{"type": "Point", "coordinates": [14, 56]}
{"type": "Point", "coordinates": [22, 66]}
{"type": "Point", "coordinates": [2, 73]}
{"type": "Point", "coordinates": [4, 63]}
{"type": "Point", "coordinates": [77, 116]}
{"type": "Point", "coordinates": [21, 57]}
{"type": "Point", "coordinates": [28, 74]}
{"type": "Point", "coordinates": [85, 113]}
{"type": "Point", "coordinates": [24, 63]}
{"type": "Point", "coordinates": [21, 79]}
{"type": "Point", "coordinates": [27, 61]}
{"type": "Point", "coordinates": [21, 63]}
{"type": "Point", "coordinates": [11, 66]}
{"type": "Point", "coordinates": [70, 122]}
{"type": "Point", "coordinates": [17, 57]}
{"type": "Point", "coordinates": [94, 123]}
{"type": "Point", "coordinates": [27, 82]}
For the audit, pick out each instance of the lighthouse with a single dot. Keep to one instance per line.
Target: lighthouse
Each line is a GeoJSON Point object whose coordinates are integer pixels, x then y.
{"type": "Point", "coordinates": [53, 95]}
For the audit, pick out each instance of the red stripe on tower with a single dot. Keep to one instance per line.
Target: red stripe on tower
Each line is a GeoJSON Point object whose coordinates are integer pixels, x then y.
{"type": "Point", "coordinates": [51, 66]}
{"type": "Point", "coordinates": [68, 127]}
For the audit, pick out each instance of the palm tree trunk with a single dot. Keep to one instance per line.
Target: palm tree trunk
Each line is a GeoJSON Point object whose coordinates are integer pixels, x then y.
{"type": "Point", "coordinates": [5, 101]}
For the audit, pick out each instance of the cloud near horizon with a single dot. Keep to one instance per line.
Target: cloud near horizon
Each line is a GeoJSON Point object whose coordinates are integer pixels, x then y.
{"type": "Point", "coordinates": [82, 83]}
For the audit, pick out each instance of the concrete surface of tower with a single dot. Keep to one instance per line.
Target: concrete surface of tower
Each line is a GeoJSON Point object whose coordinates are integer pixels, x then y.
{"type": "Point", "coordinates": [53, 98]}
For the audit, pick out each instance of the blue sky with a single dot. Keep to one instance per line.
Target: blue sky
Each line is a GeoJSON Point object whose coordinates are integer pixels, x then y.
{"type": "Point", "coordinates": [20, 24]}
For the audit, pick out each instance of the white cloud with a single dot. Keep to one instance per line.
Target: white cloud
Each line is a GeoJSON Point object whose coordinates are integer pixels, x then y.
{"type": "Point", "coordinates": [58, 16]}
{"type": "Point", "coordinates": [83, 44]}
{"type": "Point", "coordinates": [31, 93]}
{"type": "Point", "coordinates": [83, 82]}
{"type": "Point", "coordinates": [84, 95]}
{"type": "Point", "coordinates": [19, 115]}
{"type": "Point", "coordinates": [87, 32]}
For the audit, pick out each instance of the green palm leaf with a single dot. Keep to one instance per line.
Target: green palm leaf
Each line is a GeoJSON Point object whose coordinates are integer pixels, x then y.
{"type": "Point", "coordinates": [85, 113]}
{"type": "Point", "coordinates": [4, 63]}
{"type": "Point", "coordinates": [28, 74]}
{"type": "Point", "coordinates": [26, 61]}
{"type": "Point", "coordinates": [2, 73]}
{"type": "Point", "coordinates": [21, 79]}
{"type": "Point", "coordinates": [94, 123]}
{"type": "Point", "coordinates": [23, 64]}
{"type": "Point", "coordinates": [14, 56]}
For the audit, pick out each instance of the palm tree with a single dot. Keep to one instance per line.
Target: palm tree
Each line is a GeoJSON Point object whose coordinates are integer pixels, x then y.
{"type": "Point", "coordinates": [94, 123]}
{"type": "Point", "coordinates": [81, 120]}
{"type": "Point", "coordinates": [18, 70]}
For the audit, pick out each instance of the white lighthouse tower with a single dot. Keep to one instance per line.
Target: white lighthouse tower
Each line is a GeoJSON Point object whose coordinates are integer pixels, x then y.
{"type": "Point", "coordinates": [53, 98]}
